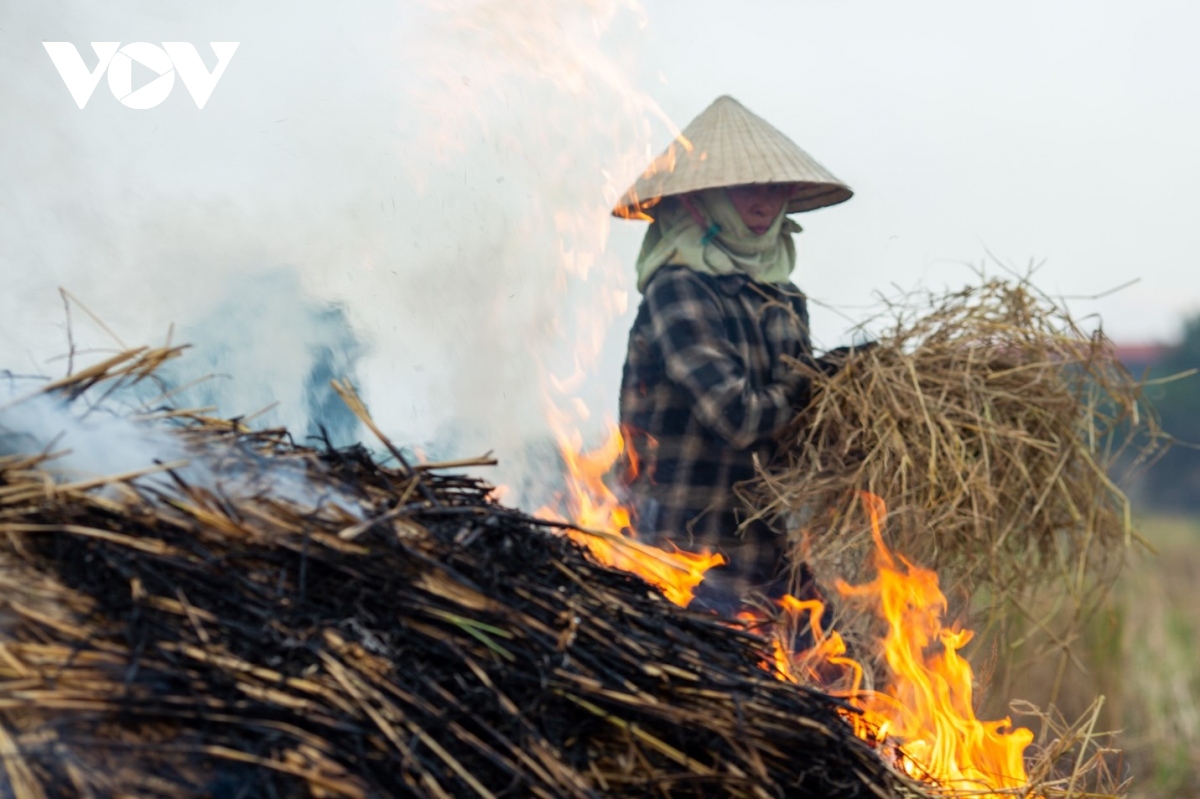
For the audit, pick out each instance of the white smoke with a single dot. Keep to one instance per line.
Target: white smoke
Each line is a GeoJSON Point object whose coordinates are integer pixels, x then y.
{"type": "Point", "coordinates": [89, 443]}
{"type": "Point", "coordinates": [425, 174]}
{"type": "Point", "coordinates": [88, 440]}
{"type": "Point", "coordinates": [311, 343]}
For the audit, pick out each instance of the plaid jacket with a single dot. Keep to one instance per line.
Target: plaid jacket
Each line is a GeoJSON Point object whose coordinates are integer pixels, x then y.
{"type": "Point", "coordinates": [703, 392]}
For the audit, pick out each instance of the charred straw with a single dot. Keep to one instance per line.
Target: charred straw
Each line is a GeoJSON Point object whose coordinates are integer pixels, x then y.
{"type": "Point", "coordinates": [375, 632]}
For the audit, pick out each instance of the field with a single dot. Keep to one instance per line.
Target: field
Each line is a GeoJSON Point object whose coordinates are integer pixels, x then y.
{"type": "Point", "coordinates": [1142, 653]}
{"type": "Point", "coordinates": [1145, 652]}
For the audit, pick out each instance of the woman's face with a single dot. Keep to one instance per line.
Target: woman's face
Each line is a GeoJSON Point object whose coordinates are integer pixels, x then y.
{"type": "Point", "coordinates": [759, 203]}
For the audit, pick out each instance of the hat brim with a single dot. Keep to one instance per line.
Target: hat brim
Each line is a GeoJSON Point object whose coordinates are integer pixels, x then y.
{"type": "Point", "coordinates": [728, 145]}
{"type": "Point", "coordinates": [806, 197]}
{"type": "Point", "coordinates": [811, 196]}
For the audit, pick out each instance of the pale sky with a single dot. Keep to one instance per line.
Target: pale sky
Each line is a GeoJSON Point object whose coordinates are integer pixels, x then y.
{"type": "Point", "coordinates": [1063, 131]}
{"type": "Point", "coordinates": [433, 165]}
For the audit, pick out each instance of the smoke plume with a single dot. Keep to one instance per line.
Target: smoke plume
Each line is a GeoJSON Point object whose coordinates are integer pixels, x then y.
{"type": "Point", "coordinates": [436, 175]}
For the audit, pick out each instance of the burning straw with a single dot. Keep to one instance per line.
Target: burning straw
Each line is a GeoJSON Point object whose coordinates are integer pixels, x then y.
{"type": "Point", "coordinates": [273, 620]}
{"type": "Point", "coordinates": [989, 421]}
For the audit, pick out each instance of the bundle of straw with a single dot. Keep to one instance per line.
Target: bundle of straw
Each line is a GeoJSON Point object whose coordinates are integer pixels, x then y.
{"type": "Point", "coordinates": [988, 420]}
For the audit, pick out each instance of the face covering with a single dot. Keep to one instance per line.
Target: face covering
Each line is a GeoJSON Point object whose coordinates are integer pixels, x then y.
{"type": "Point", "coordinates": [726, 246]}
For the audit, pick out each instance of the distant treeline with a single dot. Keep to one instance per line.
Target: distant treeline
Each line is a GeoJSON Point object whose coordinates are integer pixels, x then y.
{"type": "Point", "coordinates": [1173, 482]}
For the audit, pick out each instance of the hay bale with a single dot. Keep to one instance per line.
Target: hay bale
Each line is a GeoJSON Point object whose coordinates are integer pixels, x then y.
{"type": "Point", "coordinates": [988, 420]}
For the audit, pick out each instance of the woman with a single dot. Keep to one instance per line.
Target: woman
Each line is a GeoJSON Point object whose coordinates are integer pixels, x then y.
{"type": "Point", "coordinates": [706, 386]}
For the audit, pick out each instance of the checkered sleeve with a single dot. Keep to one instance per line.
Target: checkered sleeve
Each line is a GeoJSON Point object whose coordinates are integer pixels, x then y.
{"type": "Point", "coordinates": [698, 356]}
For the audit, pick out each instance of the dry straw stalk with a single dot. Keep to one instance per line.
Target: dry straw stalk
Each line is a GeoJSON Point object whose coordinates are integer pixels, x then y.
{"type": "Point", "coordinates": [988, 420]}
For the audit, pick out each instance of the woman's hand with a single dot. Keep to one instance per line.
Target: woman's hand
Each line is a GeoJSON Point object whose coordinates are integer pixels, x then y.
{"type": "Point", "coordinates": [831, 362]}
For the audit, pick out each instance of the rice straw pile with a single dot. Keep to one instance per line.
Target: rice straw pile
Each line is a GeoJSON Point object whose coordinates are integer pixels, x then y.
{"type": "Point", "coordinates": [265, 619]}
{"type": "Point", "coordinates": [269, 620]}
{"type": "Point", "coordinates": [988, 420]}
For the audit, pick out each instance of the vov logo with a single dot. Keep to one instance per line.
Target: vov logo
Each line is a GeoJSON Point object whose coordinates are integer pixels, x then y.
{"type": "Point", "coordinates": [165, 61]}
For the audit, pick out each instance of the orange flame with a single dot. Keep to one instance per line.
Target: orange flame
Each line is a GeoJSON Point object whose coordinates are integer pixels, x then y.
{"type": "Point", "coordinates": [925, 715]}
{"type": "Point", "coordinates": [927, 706]}
{"type": "Point", "coordinates": [608, 531]}
{"type": "Point", "coordinates": [663, 164]}
{"type": "Point", "coordinates": [557, 46]}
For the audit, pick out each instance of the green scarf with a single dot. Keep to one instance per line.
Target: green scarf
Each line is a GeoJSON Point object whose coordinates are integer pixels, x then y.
{"type": "Point", "coordinates": [726, 247]}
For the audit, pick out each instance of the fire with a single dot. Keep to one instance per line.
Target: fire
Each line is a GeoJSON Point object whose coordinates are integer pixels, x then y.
{"type": "Point", "coordinates": [927, 707]}
{"type": "Point", "coordinates": [924, 716]}
{"type": "Point", "coordinates": [550, 61]}
{"type": "Point", "coordinates": [607, 526]}
{"type": "Point", "coordinates": [543, 94]}
{"type": "Point", "coordinates": [664, 163]}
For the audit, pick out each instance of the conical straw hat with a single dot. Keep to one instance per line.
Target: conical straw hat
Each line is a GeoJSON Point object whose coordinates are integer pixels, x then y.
{"type": "Point", "coordinates": [727, 145]}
